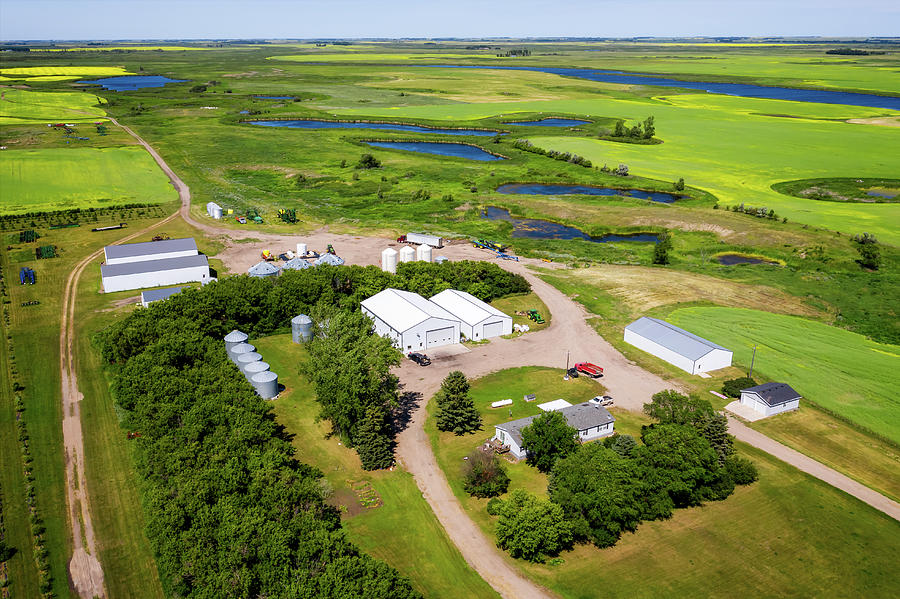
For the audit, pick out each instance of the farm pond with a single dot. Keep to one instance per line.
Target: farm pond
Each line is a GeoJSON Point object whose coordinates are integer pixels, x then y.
{"type": "Point", "coordinates": [548, 122]}
{"type": "Point", "coordinates": [588, 190]}
{"type": "Point", "coordinates": [533, 228]}
{"type": "Point", "coordinates": [132, 82]}
{"type": "Point", "coordinates": [439, 149]}
{"type": "Point", "coordinates": [313, 124]}
{"type": "Point", "coordinates": [730, 259]}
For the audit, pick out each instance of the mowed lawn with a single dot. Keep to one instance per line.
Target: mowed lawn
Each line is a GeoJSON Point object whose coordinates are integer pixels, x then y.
{"type": "Point", "coordinates": [786, 535]}
{"type": "Point", "coordinates": [838, 370]}
{"type": "Point", "coordinates": [57, 179]}
{"type": "Point", "coordinates": [735, 148]}
{"type": "Point", "coordinates": [22, 107]}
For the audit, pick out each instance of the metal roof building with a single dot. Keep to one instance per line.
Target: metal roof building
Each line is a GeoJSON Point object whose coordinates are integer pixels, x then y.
{"type": "Point", "coordinates": [676, 346]}
{"type": "Point", "coordinates": [410, 320]}
{"type": "Point", "coordinates": [156, 295]}
{"type": "Point", "coordinates": [150, 250]}
{"type": "Point", "coordinates": [478, 319]}
{"type": "Point", "coordinates": [771, 398]}
{"type": "Point", "coordinates": [154, 273]}
{"type": "Point", "coordinates": [592, 421]}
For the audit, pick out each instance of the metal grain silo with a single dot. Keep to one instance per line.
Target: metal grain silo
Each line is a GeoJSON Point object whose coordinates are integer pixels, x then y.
{"type": "Point", "coordinates": [233, 338]}
{"type": "Point", "coordinates": [255, 368]}
{"type": "Point", "coordinates": [423, 253]}
{"type": "Point", "coordinates": [301, 328]}
{"type": "Point", "coordinates": [407, 254]}
{"type": "Point", "coordinates": [265, 383]}
{"type": "Point", "coordinates": [389, 260]}
{"type": "Point", "coordinates": [244, 359]}
{"type": "Point", "coordinates": [301, 249]}
{"type": "Point", "coordinates": [240, 348]}
{"type": "Point", "coordinates": [263, 269]}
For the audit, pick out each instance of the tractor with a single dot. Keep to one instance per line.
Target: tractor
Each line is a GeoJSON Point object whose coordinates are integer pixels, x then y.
{"type": "Point", "coordinates": [535, 316]}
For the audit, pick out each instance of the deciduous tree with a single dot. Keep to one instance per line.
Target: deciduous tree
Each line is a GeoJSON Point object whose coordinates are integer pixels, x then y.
{"type": "Point", "coordinates": [547, 439]}
{"type": "Point", "coordinates": [532, 529]}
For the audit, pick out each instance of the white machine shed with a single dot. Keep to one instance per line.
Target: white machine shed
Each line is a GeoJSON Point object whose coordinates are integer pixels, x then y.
{"type": "Point", "coordinates": [479, 320]}
{"type": "Point", "coordinates": [154, 273]}
{"type": "Point", "coordinates": [150, 250]}
{"type": "Point", "coordinates": [676, 346]}
{"type": "Point", "coordinates": [410, 320]}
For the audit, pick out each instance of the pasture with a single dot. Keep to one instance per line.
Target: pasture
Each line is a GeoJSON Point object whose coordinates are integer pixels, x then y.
{"type": "Point", "coordinates": [838, 370]}
{"type": "Point", "coordinates": [21, 107]}
{"type": "Point", "coordinates": [57, 179]}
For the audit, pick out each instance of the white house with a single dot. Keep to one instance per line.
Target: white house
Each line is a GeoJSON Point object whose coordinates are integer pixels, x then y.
{"type": "Point", "coordinates": [150, 250]}
{"type": "Point", "coordinates": [676, 346]}
{"type": "Point", "coordinates": [479, 320]}
{"type": "Point", "coordinates": [591, 420]}
{"type": "Point", "coordinates": [157, 295]}
{"type": "Point", "coordinates": [154, 273]}
{"type": "Point", "coordinates": [770, 398]}
{"type": "Point", "coordinates": [410, 320]}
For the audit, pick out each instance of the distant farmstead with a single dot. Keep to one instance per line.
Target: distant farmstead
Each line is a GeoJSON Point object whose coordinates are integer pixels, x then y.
{"type": "Point", "coordinates": [590, 419]}
{"type": "Point", "coordinates": [153, 264]}
{"type": "Point", "coordinates": [676, 346]}
{"type": "Point", "coordinates": [771, 398]}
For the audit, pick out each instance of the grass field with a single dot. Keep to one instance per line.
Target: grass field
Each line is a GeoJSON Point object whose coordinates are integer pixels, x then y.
{"type": "Point", "coordinates": [818, 541]}
{"type": "Point", "coordinates": [403, 531]}
{"type": "Point", "coordinates": [85, 71]}
{"type": "Point", "coordinates": [55, 179]}
{"type": "Point", "coordinates": [18, 107]}
{"type": "Point", "coordinates": [838, 370]}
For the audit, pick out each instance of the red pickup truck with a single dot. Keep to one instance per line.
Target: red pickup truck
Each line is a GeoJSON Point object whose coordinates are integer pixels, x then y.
{"type": "Point", "coordinates": [592, 370]}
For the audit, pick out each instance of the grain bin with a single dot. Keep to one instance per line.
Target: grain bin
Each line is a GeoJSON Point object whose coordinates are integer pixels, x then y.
{"type": "Point", "coordinates": [301, 328]}
{"type": "Point", "coordinates": [301, 249]}
{"type": "Point", "coordinates": [265, 383]}
{"type": "Point", "coordinates": [263, 269]}
{"type": "Point", "coordinates": [244, 359]}
{"type": "Point", "coordinates": [214, 210]}
{"type": "Point", "coordinates": [233, 338]}
{"type": "Point", "coordinates": [442, 259]}
{"type": "Point", "coordinates": [255, 368]}
{"type": "Point", "coordinates": [240, 348]}
{"type": "Point", "coordinates": [407, 254]}
{"type": "Point", "coordinates": [295, 263]}
{"type": "Point", "coordinates": [329, 259]}
{"type": "Point", "coordinates": [389, 260]}
{"type": "Point", "coordinates": [423, 253]}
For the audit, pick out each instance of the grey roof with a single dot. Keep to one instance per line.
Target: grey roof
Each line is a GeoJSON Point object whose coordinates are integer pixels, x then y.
{"type": "Point", "coordinates": [236, 336]}
{"type": "Point", "coordinates": [155, 295]}
{"type": "Point", "coordinates": [774, 394]}
{"type": "Point", "coordinates": [263, 269]}
{"type": "Point", "coordinates": [296, 263]}
{"type": "Point", "coordinates": [133, 268]}
{"type": "Point", "coordinates": [329, 259]}
{"type": "Point", "coordinates": [671, 337]}
{"type": "Point", "coordinates": [580, 416]}
{"type": "Point", "coordinates": [148, 248]}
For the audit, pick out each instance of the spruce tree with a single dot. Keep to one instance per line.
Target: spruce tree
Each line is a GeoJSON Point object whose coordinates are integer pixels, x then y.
{"type": "Point", "coordinates": [373, 444]}
{"type": "Point", "coordinates": [456, 411]}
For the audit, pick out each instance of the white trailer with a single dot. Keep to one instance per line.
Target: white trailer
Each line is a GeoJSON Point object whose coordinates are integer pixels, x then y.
{"type": "Point", "coordinates": [423, 239]}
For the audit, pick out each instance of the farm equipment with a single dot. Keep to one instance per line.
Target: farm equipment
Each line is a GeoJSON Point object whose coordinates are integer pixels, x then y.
{"type": "Point", "coordinates": [45, 251]}
{"type": "Point", "coordinates": [421, 239]}
{"type": "Point", "coordinates": [160, 237]}
{"type": "Point", "coordinates": [489, 245]}
{"type": "Point", "coordinates": [31, 303]}
{"type": "Point", "coordinates": [591, 370]}
{"type": "Point", "coordinates": [535, 316]}
{"type": "Point", "coordinates": [330, 250]}
{"type": "Point", "coordinates": [288, 216]}
{"type": "Point", "coordinates": [507, 256]}
{"type": "Point", "coordinates": [268, 256]}
{"type": "Point", "coordinates": [26, 276]}
{"type": "Point", "coordinates": [241, 220]}
{"type": "Point", "coordinates": [253, 215]}
{"type": "Point", "coordinates": [110, 227]}
{"type": "Point", "coordinates": [28, 236]}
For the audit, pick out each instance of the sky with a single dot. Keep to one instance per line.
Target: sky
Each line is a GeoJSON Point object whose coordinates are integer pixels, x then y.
{"type": "Point", "coordinates": [306, 19]}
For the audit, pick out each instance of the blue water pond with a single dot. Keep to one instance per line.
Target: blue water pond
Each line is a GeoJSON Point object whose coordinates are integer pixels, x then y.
{"type": "Point", "coordinates": [533, 228]}
{"type": "Point", "coordinates": [274, 97]}
{"type": "Point", "coordinates": [589, 190]}
{"type": "Point", "coordinates": [310, 124]}
{"type": "Point", "coordinates": [735, 258]}
{"type": "Point", "coordinates": [881, 194]}
{"type": "Point", "coordinates": [439, 149]}
{"type": "Point", "coordinates": [549, 122]}
{"type": "Point", "coordinates": [132, 82]}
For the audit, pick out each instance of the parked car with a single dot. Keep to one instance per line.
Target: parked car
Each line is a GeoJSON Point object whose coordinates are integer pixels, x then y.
{"type": "Point", "coordinates": [603, 400]}
{"type": "Point", "coordinates": [592, 370]}
{"type": "Point", "coordinates": [572, 373]}
{"type": "Point", "coordinates": [420, 359]}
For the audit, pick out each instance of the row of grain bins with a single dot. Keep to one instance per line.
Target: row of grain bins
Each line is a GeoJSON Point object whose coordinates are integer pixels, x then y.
{"type": "Point", "coordinates": [390, 257]}
{"type": "Point", "coordinates": [251, 365]}
{"type": "Point", "coordinates": [268, 269]}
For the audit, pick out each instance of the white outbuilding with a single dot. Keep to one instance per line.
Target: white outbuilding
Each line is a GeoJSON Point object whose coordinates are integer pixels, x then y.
{"type": "Point", "coordinates": [150, 250]}
{"type": "Point", "coordinates": [154, 273]}
{"type": "Point", "coordinates": [410, 320]}
{"type": "Point", "coordinates": [479, 320]}
{"type": "Point", "coordinates": [676, 346]}
{"type": "Point", "coordinates": [158, 295]}
{"type": "Point", "coordinates": [770, 398]}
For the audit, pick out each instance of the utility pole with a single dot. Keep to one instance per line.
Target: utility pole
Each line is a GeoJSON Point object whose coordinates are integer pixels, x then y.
{"type": "Point", "coordinates": [752, 360]}
{"type": "Point", "coordinates": [566, 374]}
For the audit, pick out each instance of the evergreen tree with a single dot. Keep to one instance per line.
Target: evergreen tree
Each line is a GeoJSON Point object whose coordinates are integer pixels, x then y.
{"type": "Point", "coordinates": [373, 441]}
{"type": "Point", "coordinates": [661, 250]}
{"type": "Point", "coordinates": [456, 410]}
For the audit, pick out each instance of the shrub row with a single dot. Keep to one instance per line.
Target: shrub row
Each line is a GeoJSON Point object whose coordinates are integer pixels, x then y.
{"type": "Point", "coordinates": [527, 146]}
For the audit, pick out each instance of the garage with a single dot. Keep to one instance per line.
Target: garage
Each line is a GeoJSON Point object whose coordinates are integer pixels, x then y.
{"type": "Point", "coordinates": [412, 322]}
{"type": "Point", "coordinates": [478, 320]}
{"type": "Point", "coordinates": [439, 337]}
{"type": "Point", "coordinates": [493, 329]}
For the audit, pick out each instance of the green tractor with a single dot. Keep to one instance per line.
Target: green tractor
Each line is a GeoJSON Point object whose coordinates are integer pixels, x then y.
{"type": "Point", "coordinates": [535, 316]}
{"type": "Point", "coordinates": [288, 215]}
{"type": "Point", "coordinates": [253, 214]}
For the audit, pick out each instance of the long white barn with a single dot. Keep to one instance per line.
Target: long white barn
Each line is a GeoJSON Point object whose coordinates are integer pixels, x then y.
{"type": "Point", "coordinates": [153, 264]}
{"type": "Point", "coordinates": [676, 346]}
{"type": "Point", "coordinates": [478, 320]}
{"type": "Point", "coordinates": [150, 250]}
{"type": "Point", "coordinates": [410, 320]}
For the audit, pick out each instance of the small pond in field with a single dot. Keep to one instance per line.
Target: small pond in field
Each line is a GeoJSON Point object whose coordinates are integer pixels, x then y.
{"type": "Point", "coordinates": [731, 259]}
{"type": "Point", "coordinates": [882, 194]}
{"type": "Point", "coordinates": [439, 149]}
{"type": "Point", "coordinates": [309, 124]}
{"type": "Point", "coordinates": [132, 82]}
{"type": "Point", "coordinates": [588, 190]}
{"type": "Point", "coordinates": [534, 228]}
{"type": "Point", "coordinates": [274, 97]}
{"type": "Point", "coordinates": [549, 122]}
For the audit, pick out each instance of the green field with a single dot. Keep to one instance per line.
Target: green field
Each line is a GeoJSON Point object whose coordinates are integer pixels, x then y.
{"type": "Point", "coordinates": [838, 370]}
{"type": "Point", "coordinates": [36, 180]}
{"type": "Point", "coordinates": [18, 107]}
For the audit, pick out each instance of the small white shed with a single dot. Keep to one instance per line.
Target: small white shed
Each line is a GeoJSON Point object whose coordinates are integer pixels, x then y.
{"type": "Point", "coordinates": [410, 320]}
{"type": "Point", "coordinates": [479, 320]}
{"type": "Point", "coordinates": [676, 346]}
{"type": "Point", "coordinates": [771, 398]}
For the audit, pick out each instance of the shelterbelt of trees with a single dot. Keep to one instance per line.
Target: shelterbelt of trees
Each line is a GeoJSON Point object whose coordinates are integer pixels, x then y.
{"type": "Point", "coordinates": [230, 510]}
